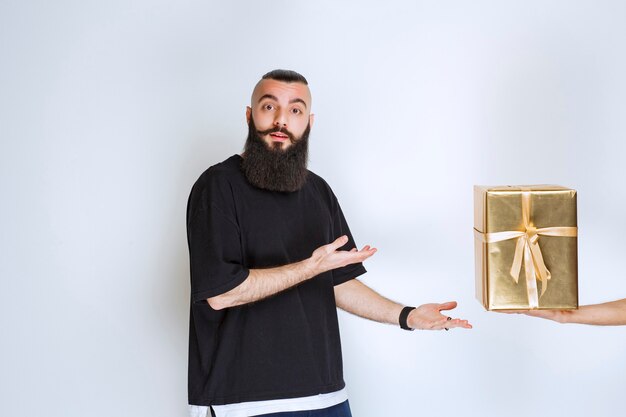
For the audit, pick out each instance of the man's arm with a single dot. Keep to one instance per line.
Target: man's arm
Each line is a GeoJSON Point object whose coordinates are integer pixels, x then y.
{"type": "Point", "coordinates": [606, 314]}
{"type": "Point", "coordinates": [262, 283]}
{"type": "Point", "coordinates": [357, 298]}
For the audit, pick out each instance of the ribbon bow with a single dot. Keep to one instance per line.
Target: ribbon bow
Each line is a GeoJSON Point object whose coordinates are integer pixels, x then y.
{"type": "Point", "coordinates": [528, 250]}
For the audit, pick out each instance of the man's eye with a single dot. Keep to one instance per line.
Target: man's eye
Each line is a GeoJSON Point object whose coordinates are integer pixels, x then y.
{"type": "Point", "coordinates": [296, 111]}
{"type": "Point", "coordinates": [268, 107]}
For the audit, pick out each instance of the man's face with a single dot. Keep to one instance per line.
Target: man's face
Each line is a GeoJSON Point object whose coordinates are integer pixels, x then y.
{"type": "Point", "coordinates": [281, 112]}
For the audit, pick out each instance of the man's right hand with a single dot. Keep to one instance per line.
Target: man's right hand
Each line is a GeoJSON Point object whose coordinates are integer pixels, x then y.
{"type": "Point", "coordinates": [328, 257]}
{"type": "Point", "coordinates": [262, 283]}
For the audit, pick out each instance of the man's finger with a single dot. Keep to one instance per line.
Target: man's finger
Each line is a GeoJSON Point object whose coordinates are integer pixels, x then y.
{"type": "Point", "coordinates": [447, 305]}
{"type": "Point", "coordinates": [366, 253]}
{"type": "Point", "coordinates": [457, 323]}
{"type": "Point", "coordinates": [339, 242]}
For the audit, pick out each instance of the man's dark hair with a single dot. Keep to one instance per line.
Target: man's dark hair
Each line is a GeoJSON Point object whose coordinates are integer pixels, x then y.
{"type": "Point", "coordinates": [287, 76]}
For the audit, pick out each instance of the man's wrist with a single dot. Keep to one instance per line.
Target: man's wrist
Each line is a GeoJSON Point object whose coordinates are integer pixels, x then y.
{"type": "Point", "coordinates": [310, 268]}
{"type": "Point", "coordinates": [403, 318]}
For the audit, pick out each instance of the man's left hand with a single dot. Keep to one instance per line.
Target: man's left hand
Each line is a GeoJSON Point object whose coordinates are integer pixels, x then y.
{"type": "Point", "coordinates": [429, 317]}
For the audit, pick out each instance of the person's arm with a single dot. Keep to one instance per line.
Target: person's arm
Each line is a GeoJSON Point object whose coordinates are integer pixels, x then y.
{"type": "Point", "coordinates": [262, 283]}
{"type": "Point", "coordinates": [357, 298]}
{"type": "Point", "coordinates": [606, 314]}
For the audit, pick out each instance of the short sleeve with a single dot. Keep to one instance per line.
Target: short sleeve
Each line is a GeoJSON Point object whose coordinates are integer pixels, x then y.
{"type": "Point", "coordinates": [213, 236]}
{"type": "Point", "coordinates": [340, 227]}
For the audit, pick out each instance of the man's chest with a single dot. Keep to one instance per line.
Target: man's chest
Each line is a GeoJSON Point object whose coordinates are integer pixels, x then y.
{"type": "Point", "coordinates": [279, 229]}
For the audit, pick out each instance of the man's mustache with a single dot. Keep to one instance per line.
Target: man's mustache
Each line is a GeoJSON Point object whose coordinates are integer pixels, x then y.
{"type": "Point", "coordinates": [291, 136]}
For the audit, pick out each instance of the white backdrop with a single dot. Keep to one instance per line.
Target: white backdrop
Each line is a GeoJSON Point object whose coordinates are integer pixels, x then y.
{"type": "Point", "coordinates": [109, 111]}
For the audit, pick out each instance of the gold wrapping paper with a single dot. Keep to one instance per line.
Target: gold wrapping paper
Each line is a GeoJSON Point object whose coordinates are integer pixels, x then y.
{"type": "Point", "coordinates": [526, 247]}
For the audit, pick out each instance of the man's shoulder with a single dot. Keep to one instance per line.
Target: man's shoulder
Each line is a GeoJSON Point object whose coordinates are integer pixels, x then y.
{"type": "Point", "coordinates": [316, 179]}
{"type": "Point", "coordinates": [222, 171]}
{"type": "Point", "coordinates": [216, 182]}
{"type": "Point", "coordinates": [320, 184]}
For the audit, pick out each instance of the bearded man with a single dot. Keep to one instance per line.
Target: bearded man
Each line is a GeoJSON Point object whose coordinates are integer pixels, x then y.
{"type": "Point", "coordinates": [272, 258]}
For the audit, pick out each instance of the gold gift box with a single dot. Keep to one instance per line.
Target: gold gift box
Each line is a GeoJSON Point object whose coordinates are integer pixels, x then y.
{"type": "Point", "coordinates": [526, 247]}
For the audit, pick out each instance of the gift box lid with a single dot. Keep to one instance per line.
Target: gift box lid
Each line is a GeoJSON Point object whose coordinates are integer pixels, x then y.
{"type": "Point", "coordinates": [482, 194]}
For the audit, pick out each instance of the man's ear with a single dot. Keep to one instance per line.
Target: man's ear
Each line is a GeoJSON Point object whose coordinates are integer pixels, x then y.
{"type": "Point", "coordinates": [248, 113]}
{"type": "Point", "coordinates": [311, 119]}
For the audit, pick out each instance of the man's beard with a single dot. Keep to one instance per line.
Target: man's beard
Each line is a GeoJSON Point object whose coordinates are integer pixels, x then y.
{"type": "Point", "coordinates": [272, 168]}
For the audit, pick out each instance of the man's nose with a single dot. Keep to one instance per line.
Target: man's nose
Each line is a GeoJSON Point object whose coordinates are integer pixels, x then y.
{"type": "Point", "coordinates": [280, 120]}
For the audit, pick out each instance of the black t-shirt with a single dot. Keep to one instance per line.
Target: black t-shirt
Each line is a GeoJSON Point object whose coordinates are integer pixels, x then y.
{"type": "Point", "coordinates": [286, 345]}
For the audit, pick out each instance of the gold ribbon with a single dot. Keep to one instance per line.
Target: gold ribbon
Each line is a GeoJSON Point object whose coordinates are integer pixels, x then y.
{"type": "Point", "coordinates": [527, 249]}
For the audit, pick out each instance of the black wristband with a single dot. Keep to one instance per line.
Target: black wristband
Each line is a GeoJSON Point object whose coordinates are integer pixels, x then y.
{"type": "Point", "coordinates": [404, 314]}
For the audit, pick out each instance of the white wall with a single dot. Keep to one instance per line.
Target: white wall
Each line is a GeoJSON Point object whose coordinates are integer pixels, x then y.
{"type": "Point", "coordinates": [110, 110]}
